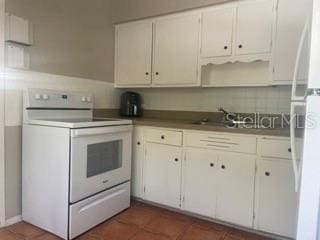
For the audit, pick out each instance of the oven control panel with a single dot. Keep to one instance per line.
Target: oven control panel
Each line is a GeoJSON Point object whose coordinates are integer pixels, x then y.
{"type": "Point", "coordinates": [43, 98]}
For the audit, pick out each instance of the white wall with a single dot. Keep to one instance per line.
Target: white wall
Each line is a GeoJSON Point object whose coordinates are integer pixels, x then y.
{"type": "Point", "coordinates": [245, 100]}
{"type": "Point", "coordinates": [125, 10]}
{"type": "Point", "coordinates": [71, 37]}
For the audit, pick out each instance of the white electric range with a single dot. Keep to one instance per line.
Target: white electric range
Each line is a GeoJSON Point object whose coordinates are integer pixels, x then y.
{"type": "Point", "coordinates": [76, 169]}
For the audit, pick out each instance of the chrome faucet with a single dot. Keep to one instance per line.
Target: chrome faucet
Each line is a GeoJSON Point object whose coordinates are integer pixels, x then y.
{"type": "Point", "coordinates": [222, 110]}
{"type": "Point", "coordinates": [228, 115]}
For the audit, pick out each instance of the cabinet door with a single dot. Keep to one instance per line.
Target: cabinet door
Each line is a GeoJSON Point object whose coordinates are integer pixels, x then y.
{"type": "Point", "coordinates": [137, 163]}
{"type": "Point", "coordinates": [133, 54]}
{"type": "Point", "coordinates": [277, 200]}
{"type": "Point", "coordinates": [200, 179]}
{"type": "Point", "coordinates": [217, 27]}
{"type": "Point", "coordinates": [162, 174]}
{"type": "Point", "coordinates": [292, 16]}
{"type": "Point", "coordinates": [176, 50]}
{"type": "Point", "coordinates": [254, 27]}
{"type": "Point", "coordinates": [236, 188]}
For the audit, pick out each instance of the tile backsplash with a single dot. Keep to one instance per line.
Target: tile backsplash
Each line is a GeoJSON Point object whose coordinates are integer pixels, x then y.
{"type": "Point", "coordinates": [270, 100]}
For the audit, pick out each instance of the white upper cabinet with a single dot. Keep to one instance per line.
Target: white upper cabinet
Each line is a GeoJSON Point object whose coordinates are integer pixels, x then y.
{"type": "Point", "coordinates": [217, 30]}
{"type": "Point", "coordinates": [176, 50]}
{"type": "Point", "coordinates": [254, 27]}
{"type": "Point", "coordinates": [133, 54]}
{"type": "Point", "coordinates": [236, 45]}
{"type": "Point", "coordinates": [292, 16]}
{"type": "Point", "coordinates": [173, 50]}
{"type": "Point", "coordinates": [238, 32]}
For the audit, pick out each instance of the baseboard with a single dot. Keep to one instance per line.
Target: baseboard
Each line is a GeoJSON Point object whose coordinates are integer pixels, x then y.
{"type": "Point", "coordinates": [13, 220]}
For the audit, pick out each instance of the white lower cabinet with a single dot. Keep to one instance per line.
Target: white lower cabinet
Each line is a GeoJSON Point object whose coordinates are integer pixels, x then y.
{"type": "Point", "coordinates": [277, 202]}
{"type": "Point", "coordinates": [200, 181]}
{"type": "Point", "coordinates": [235, 194]}
{"type": "Point", "coordinates": [219, 185]}
{"type": "Point", "coordinates": [253, 188]}
{"type": "Point", "coordinates": [162, 174]}
{"type": "Point", "coordinates": [137, 163]}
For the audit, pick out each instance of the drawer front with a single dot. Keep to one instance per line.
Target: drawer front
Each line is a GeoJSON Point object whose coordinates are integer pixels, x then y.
{"type": "Point", "coordinates": [90, 212]}
{"type": "Point", "coordinates": [276, 148]}
{"type": "Point", "coordinates": [224, 142]}
{"type": "Point", "coordinates": [164, 136]}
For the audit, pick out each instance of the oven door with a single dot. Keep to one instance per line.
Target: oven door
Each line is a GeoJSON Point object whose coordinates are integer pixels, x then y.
{"type": "Point", "coordinates": [100, 159]}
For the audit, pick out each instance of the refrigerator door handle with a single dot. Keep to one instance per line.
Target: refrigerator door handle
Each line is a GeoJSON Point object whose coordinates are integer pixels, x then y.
{"type": "Point", "coordinates": [294, 96]}
{"type": "Point", "coordinates": [295, 163]}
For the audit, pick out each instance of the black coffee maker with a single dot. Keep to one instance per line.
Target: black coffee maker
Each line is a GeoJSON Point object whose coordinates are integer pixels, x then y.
{"type": "Point", "coordinates": [130, 105]}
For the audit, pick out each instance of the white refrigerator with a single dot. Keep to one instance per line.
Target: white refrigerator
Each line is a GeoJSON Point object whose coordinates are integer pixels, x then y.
{"type": "Point", "coordinates": [306, 102]}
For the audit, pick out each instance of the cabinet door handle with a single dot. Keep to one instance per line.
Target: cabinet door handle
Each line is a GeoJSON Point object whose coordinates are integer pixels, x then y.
{"type": "Point", "coordinates": [223, 167]}
{"type": "Point", "coordinates": [211, 165]}
{"type": "Point", "coordinates": [157, 73]}
{"type": "Point", "coordinates": [240, 46]}
{"type": "Point", "coordinates": [162, 137]}
{"type": "Point", "coordinates": [267, 174]}
{"type": "Point", "coordinates": [147, 73]}
{"type": "Point", "coordinates": [225, 47]}
{"type": "Point", "coordinates": [289, 150]}
{"type": "Point", "coordinates": [138, 143]}
{"type": "Point", "coordinates": [176, 160]}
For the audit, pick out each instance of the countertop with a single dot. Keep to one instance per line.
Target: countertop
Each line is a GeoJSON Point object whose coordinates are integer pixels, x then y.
{"type": "Point", "coordinates": [185, 120]}
{"type": "Point", "coordinates": [215, 127]}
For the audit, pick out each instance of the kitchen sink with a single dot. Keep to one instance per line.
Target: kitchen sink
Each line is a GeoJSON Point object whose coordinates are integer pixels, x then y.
{"type": "Point", "coordinates": [230, 125]}
{"type": "Point", "coordinates": [209, 123]}
{"type": "Point", "coordinates": [206, 123]}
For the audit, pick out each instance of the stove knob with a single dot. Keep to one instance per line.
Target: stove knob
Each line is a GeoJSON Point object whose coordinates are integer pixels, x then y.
{"type": "Point", "coordinates": [83, 99]}
{"type": "Point", "coordinates": [88, 99]}
{"type": "Point", "coordinates": [45, 97]}
{"type": "Point", "coordinates": [37, 96]}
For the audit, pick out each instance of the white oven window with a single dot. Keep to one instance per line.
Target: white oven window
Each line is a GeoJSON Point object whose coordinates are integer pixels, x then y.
{"type": "Point", "coordinates": [103, 157]}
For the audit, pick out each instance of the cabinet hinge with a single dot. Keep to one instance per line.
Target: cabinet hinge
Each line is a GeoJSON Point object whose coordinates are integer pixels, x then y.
{"type": "Point", "coordinates": [273, 70]}
{"type": "Point", "coordinates": [256, 169]}
{"type": "Point", "coordinates": [254, 216]}
{"type": "Point", "coordinates": [144, 189]}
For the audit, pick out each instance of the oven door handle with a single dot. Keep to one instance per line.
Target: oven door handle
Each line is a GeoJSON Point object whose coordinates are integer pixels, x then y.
{"type": "Point", "coordinates": [85, 132]}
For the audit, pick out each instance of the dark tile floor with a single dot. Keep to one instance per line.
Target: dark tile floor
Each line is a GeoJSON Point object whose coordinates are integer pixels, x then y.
{"type": "Point", "coordinates": [140, 222]}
